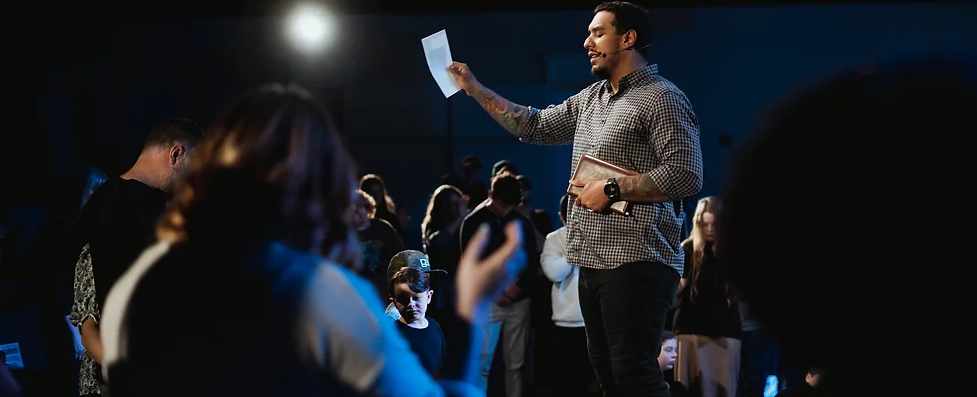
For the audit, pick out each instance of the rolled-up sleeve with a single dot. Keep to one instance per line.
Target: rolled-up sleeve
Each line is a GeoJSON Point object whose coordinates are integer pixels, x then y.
{"type": "Point", "coordinates": [674, 132]}
{"type": "Point", "coordinates": [554, 125]}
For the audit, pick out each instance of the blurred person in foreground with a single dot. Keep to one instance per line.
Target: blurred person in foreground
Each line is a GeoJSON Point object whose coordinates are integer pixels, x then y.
{"type": "Point", "coordinates": [247, 297]}
{"type": "Point", "coordinates": [879, 134]}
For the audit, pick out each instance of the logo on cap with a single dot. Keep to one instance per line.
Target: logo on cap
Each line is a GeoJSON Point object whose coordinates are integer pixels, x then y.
{"type": "Point", "coordinates": [425, 264]}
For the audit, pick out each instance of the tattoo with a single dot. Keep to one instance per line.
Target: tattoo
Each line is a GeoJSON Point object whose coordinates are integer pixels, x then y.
{"type": "Point", "coordinates": [641, 189]}
{"type": "Point", "coordinates": [509, 115]}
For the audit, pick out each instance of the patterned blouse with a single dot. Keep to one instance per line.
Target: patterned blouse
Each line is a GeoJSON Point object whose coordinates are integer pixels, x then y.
{"type": "Point", "coordinates": [83, 307]}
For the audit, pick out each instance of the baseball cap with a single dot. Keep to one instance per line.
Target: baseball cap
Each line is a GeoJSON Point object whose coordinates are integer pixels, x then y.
{"type": "Point", "coordinates": [411, 258]}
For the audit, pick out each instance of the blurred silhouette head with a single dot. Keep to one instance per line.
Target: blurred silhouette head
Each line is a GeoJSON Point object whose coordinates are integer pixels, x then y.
{"type": "Point", "coordinates": [801, 182]}
{"type": "Point", "coordinates": [272, 168]}
{"type": "Point", "coordinates": [506, 193]}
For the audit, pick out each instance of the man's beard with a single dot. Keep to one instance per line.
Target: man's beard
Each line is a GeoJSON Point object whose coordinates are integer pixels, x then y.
{"type": "Point", "coordinates": [602, 72]}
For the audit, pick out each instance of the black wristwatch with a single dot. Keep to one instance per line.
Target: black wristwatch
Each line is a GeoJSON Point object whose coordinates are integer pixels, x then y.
{"type": "Point", "coordinates": [612, 190]}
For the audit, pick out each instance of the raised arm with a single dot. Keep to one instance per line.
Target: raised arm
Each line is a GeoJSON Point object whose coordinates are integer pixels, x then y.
{"type": "Point", "coordinates": [674, 136]}
{"type": "Point", "coordinates": [554, 125]}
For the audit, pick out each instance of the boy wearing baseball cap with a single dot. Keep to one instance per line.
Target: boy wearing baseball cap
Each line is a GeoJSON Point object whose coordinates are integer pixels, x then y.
{"type": "Point", "coordinates": [407, 258]}
{"type": "Point", "coordinates": [410, 292]}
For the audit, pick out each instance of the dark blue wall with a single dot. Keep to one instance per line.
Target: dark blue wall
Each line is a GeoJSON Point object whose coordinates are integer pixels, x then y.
{"type": "Point", "coordinates": [732, 62]}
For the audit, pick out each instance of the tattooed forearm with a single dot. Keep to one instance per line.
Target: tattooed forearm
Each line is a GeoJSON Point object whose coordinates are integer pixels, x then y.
{"type": "Point", "coordinates": [641, 189]}
{"type": "Point", "coordinates": [509, 115]}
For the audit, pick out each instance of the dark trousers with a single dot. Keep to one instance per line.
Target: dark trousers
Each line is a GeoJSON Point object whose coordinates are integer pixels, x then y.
{"type": "Point", "coordinates": [624, 310]}
{"type": "Point", "coordinates": [571, 362]}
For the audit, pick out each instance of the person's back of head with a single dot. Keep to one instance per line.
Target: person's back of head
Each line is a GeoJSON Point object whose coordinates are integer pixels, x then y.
{"type": "Point", "coordinates": [275, 160]}
{"type": "Point", "coordinates": [506, 190]}
{"type": "Point", "coordinates": [821, 215]}
{"type": "Point", "coordinates": [168, 149]}
{"type": "Point", "coordinates": [503, 166]}
{"type": "Point", "coordinates": [175, 131]}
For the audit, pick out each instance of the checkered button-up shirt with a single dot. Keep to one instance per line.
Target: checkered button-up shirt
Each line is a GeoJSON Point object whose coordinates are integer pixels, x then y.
{"type": "Point", "coordinates": [647, 126]}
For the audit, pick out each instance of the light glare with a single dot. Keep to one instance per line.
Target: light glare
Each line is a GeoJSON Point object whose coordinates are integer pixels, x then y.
{"type": "Point", "coordinates": [309, 27]}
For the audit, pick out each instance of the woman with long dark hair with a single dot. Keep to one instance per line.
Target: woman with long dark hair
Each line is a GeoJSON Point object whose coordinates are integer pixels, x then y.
{"type": "Point", "coordinates": [373, 185]}
{"type": "Point", "coordinates": [445, 211]}
{"type": "Point", "coordinates": [243, 294]}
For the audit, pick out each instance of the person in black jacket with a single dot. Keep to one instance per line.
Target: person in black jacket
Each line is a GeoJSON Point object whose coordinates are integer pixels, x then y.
{"type": "Point", "coordinates": [510, 316]}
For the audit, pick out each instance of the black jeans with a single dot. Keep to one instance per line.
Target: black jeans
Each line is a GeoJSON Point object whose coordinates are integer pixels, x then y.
{"type": "Point", "coordinates": [575, 374]}
{"type": "Point", "coordinates": [624, 310]}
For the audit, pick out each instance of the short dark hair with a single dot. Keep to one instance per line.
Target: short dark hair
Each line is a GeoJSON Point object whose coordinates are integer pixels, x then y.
{"type": "Point", "coordinates": [417, 280]}
{"type": "Point", "coordinates": [667, 336]}
{"type": "Point", "coordinates": [630, 16]}
{"type": "Point", "coordinates": [172, 131]}
{"type": "Point", "coordinates": [506, 188]}
{"type": "Point", "coordinates": [564, 205]}
{"type": "Point", "coordinates": [297, 194]}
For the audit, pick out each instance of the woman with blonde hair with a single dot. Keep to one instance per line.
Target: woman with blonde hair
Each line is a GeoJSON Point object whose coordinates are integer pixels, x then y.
{"type": "Point", "coordinates": [707, 321]}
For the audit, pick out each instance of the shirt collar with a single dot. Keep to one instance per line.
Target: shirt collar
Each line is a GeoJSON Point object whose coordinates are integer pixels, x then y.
{"type": "Point", "coordinates": [635, 78]}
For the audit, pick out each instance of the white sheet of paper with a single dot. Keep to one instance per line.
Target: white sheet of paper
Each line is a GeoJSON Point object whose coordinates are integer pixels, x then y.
{"type": "Point", "coordinates": [438, 56]}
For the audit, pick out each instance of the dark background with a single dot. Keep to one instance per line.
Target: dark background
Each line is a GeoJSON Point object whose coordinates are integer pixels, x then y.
{"type": "Point", "coordinates": [85, 83]}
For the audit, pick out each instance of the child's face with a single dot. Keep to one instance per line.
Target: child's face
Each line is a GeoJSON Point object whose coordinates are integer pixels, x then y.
{"type": "Point", "coordinates": [411, 305]}
{"type": "Point", "coordinates": [666, 360]}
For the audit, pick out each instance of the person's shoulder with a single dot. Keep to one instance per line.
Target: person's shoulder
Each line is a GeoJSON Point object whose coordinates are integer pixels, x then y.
{"type": "Point", "coordinates": [592, 88]}
{"type": "Point", "coordinates": [433, 324]}
{"type": "Point", "coordinates": [476, 213]}
{"type": "Point", "coordinates": [660, 88]}
{"type": "Point", "coordinates": [561, 232]}
{"type": "Point", "coordinates": [435, 327]}
{"type": "Point", "coordinates": [339, 279]}
{"type": "Point", "coordinates": [382, 224]}
{"type": "Point", "coordinates": [137, 196]}
{"type": "Point", "coordinates": [441, 238]}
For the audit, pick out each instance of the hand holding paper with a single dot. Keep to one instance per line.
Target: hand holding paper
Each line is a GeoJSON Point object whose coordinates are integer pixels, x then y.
{"type": "Point", "coordinates": [438, 56]}
{"type": "Point", "coordinates": [463, 77]}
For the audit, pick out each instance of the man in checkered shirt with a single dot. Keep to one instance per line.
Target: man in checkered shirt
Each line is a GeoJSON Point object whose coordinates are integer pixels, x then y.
{"type": "Point", "coordinates": [630, 265]}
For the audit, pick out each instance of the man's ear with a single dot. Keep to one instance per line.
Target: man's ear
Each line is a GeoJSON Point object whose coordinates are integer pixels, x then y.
{"type": "Point", "coordinates": [630, 39]}
{"type": "Point", "coordinates": [430, 294]}
{"type": "Point", "coordinates": [176, 152]}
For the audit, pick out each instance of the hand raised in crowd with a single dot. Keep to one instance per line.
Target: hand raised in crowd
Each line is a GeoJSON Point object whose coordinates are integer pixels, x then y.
{"type": "Point", "coordinates": [480, 282]}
